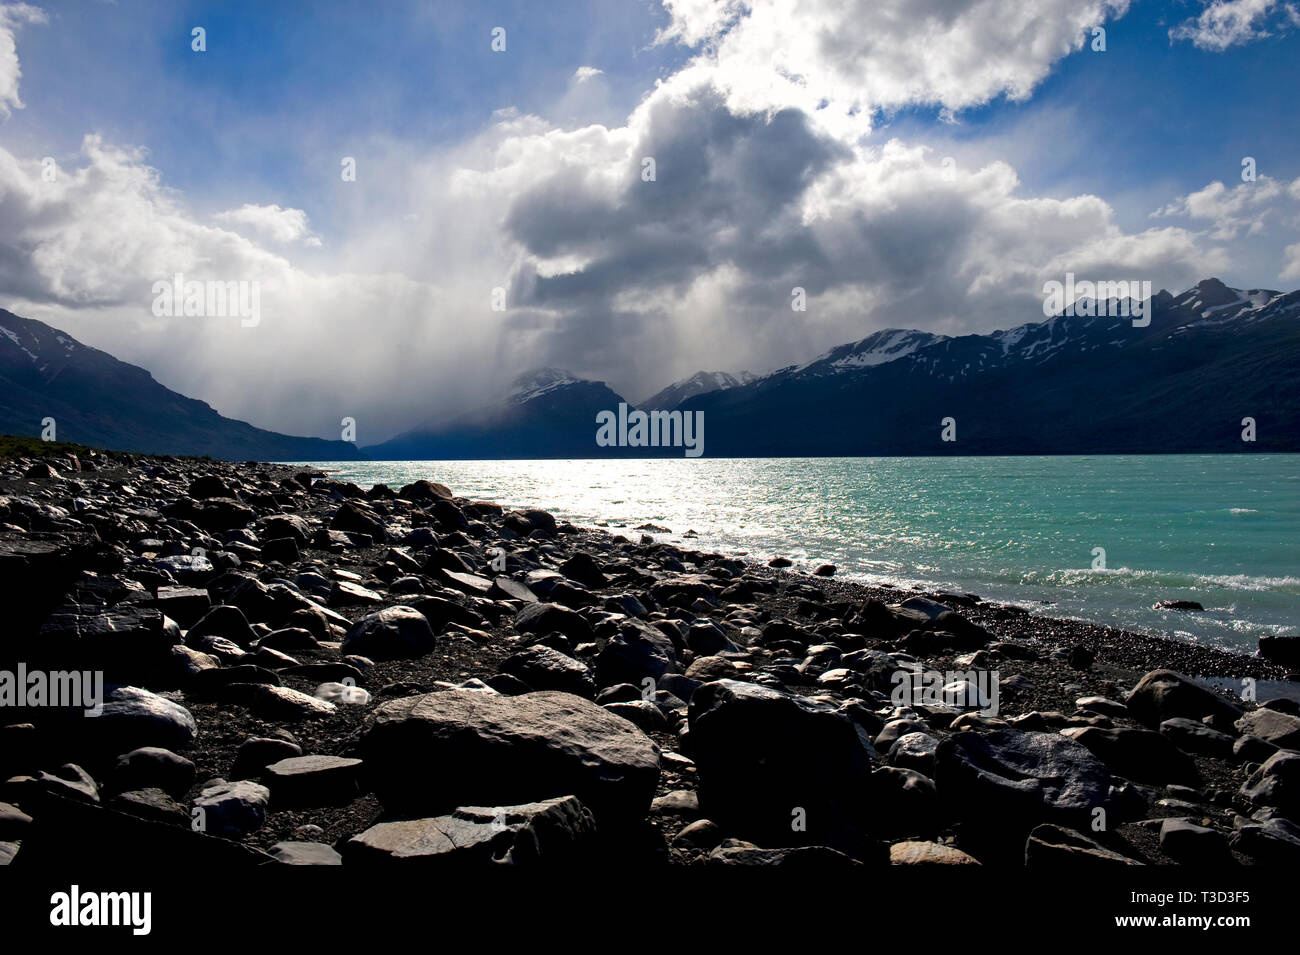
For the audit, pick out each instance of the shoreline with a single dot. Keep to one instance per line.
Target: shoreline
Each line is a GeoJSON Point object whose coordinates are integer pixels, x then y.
{"type": "Point", "coordinates": [295, 590]}
{"type": "Point", "coordinates": [1218, 559]}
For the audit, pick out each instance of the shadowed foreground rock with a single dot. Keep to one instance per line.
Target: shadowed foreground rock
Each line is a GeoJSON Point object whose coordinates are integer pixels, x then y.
{"type": "Point", "coordinates": [780, 769]}
{"type": "Point", "coordinates": [1012, 779]}
{"type": "Point", "coordinates": [468, 747]}
{"type": "Point", "coordinates": [554, 831]}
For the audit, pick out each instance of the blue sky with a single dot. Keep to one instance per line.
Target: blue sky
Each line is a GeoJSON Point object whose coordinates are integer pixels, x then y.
{"type": "Point", "coordinates": [798, 143]}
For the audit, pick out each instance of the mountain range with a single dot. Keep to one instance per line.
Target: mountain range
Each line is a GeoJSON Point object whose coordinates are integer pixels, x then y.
{"type": "Point", "coordinates": [1209, 358]}
{"type": "Point", "coordinates": [97, 400]}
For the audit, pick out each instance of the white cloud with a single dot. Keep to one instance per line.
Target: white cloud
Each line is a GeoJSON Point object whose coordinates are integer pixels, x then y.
{"type": "Point", "coordinates": [847, 58]}
{"type": "Point", "coordinates": [369, 335]}
{"type": "Point", "coordinates": [608, 275]}
{"type": "Point", "coordinates": [1291, 262]}
{"type": "Point", "coordinates": [1245, 208]}
{"type": "Point", "coordinates": [585, 73]}
{"type": "Point", "coordinates": [272, 222]}
{"type": "Point", "coordinates": [1228, 23]}
{"type": "Point", "coordinates": [12, 17]}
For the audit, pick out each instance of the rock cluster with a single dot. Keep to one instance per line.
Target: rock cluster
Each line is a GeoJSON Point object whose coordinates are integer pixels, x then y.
{"type": "Point", "coordinates": [292, 668]}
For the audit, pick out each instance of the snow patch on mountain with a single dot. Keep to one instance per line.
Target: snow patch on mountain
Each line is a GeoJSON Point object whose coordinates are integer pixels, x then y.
{"type": "Point", "coordinates": [533, 384]}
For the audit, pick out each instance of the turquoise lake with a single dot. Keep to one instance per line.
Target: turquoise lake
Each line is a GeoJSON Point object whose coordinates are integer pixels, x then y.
{"type": "Point", "coordinates": [1223, 530]}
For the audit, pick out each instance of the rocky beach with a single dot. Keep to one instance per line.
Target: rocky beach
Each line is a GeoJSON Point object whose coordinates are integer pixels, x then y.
{"type": "Point", "coordinates": [279, 667]}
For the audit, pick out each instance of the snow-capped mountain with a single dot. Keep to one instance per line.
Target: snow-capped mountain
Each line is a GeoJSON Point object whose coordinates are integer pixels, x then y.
{"type": "Point", "coordinates": [531, 385]}
{"type": "Point", "coordinates": [97, 400]}
{"type": "Point", "coordinates": [1072, 383]}
{"type": "Point", "coordinates": [877, 349]}
{"type": "Point", "coordinates": [700, 383]}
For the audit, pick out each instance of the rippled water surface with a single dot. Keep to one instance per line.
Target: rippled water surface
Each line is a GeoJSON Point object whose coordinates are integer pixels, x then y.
{"type": "Point", "coordinates": [1223, 530]}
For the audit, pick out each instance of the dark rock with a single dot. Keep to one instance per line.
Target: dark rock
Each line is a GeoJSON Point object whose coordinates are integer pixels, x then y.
{"type": "Point", "coordinates": [185, 605]}
{"type": "Point", "coordinates": [1137, 754]}
{"type": "Point", "coordinates": [13, 823]}
{"type": "Point", "coordinates": [232, 810]}
{"type": "Point", "coordinates": [133, 718]}
{"type": "Point", "coordinates": [461, 746]}
{"type": "Point", "coordinates": [637, 652]}
{"type": "Point", "coordinates": [71, 781]}
{"type": "Point", "coordinates": [1009, 779]}
{"type": "Point", "coordinates": [258, 752]}
{"type": "Point", "coordinates": [282, 549]}
{"type": "Point", "coordinates": [1275, 841]}
{"type": "Point", "coordinates": [1050, 847]}
{"type": "Point", "coordinates": [391, 634]}
{"type": "Point", "coordinates": [151, 767]}
{"type": "Point", "coordinates": [914, 751]}
{"type": "Point", "coordinates": [351, 517]}
{"type": "Point", "coordinates": [151, 803]}
{"type": "Point", "coordinates": [545, 617]}
{"type": "Point", "coordinates": [641, 713]}
{"type": "Point", "coordinates": [545, 669]}
{"type": "Point", "coordinates": [1283, 650]}
{"type": "Point", "coordinates": [1185, 842]}
{"type": "Point", "coordinates": [1276, 784]}
{"type": "Point", "coordinates": [550, 832]}
{"type": "Point", "coordinates": [905, 802]}
{"type": "Point", "coordinates": [223, 621]}
{"type": "Point", "coordinates": [768, 760]}
{"type": "Point", "coordinates": [312, 780]}
{"type": "Point", "coordinates": [1193, 736]}
{"type": "Point", "coordinates": [1178, 605]}
{"type": "Point", "coordinates": [1162, 694]}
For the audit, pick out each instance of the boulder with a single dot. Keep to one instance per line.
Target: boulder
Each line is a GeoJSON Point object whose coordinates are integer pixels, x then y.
{"type": "Point", "coordinates": [151, 767]}
{"type": "Point", "coordinates": [1191, 844]}
{"type": "Point", "coordinates": [1273, 726]}
{"type": "Point", "coordinates": [133, 718]}
{"type": "Point", "coordinates": [548, 832]}
{"type": "Point", "coordinates": [393, 633]}
{"type": "Point", "coordinates": [778, 768]}
{"type": "Point", "coordinates": [1283, 650]}
{"type": "Point", "coordinates": [547, 617]}
{"type": "Point", "coordinates": [462, 747]}
{"type": "Point", "coordinates": [232, 810]}
{"type": "Point", "coordinates": [637, 652]}
{"type": "Point", "coordinates": [543, 668]}
{"type": "Point", "coordinates": [1276, 784]}
{"type": "Point", "coordinates": [1193, 736]}
{"type": "Point", "coordinates": [1014, 779]}
{"type": "Point", "coordinates": [1137, 754]}
{"type": "Point", "coordinates": [1162, 694]}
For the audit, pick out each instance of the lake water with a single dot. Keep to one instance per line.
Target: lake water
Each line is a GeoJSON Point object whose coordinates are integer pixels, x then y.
{"type": "Point", "coordinates": [1223, 530]}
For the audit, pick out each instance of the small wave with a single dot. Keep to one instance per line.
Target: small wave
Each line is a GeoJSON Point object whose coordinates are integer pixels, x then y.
{"type": "Point", "coordinates": [1124, 576]}
{"type": "Point", "coordinates": [1242, 510]}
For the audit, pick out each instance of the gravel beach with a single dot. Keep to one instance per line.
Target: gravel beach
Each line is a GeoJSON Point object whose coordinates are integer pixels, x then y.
{"type": "Point", "coordinates": [298, 670]}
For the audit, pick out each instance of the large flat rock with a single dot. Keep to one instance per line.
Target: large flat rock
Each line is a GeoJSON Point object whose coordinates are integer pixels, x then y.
{"type": "Point", "coordinates": [433, 753]}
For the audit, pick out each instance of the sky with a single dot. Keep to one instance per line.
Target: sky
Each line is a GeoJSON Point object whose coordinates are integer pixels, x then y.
{"type": "Point", "coordinates": [630, 190]}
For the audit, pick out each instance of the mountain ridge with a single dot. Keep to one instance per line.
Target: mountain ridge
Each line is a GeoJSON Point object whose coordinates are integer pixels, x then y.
{"type": "Point", "coordinates": [1205, 359]}
{"type": "Point", "coordinates": [96, 399]}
